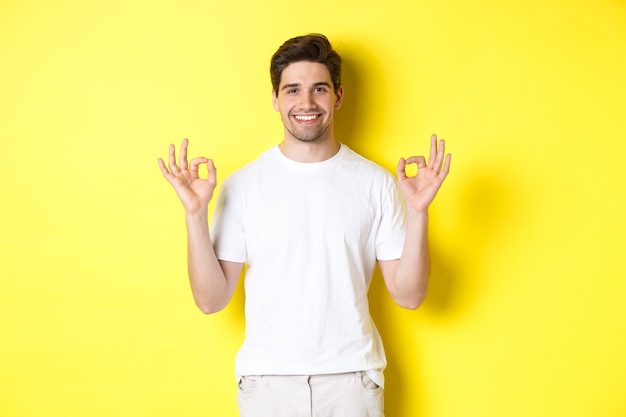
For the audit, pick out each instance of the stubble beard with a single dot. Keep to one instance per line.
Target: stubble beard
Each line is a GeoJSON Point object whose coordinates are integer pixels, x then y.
{"type": "Point", "coordinates": [306, 134]}
{"type": "Point", "coordinates": [309, 137]}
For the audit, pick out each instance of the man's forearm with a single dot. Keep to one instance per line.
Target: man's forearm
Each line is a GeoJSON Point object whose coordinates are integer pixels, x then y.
{"type": "Point", "coordinates": [413, 269]}
{"type": "Point", "coordinates": [209, 285]}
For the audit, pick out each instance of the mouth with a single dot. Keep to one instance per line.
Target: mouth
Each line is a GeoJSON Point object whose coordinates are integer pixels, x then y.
{"type": "Point", "coordinates": [306, 118]}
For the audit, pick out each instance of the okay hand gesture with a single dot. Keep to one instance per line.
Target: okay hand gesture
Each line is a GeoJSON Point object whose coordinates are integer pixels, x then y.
{"type": "Point", "coordinates": [420, 189]}
{"type": "Point", "coordinates": [194, 192]}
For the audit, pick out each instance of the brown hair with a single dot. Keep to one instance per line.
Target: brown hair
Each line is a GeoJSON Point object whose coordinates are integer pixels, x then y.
{"type": "Point", "coordinates": [313, 48]}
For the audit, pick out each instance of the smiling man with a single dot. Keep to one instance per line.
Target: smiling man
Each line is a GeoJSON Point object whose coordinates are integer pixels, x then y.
{"type": "Point", "coordinates": [307, 100]}
{"type": "Point", "coordinates": [309, 219]}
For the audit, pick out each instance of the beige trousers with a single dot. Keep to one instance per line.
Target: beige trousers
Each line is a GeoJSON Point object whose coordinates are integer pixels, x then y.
{"type": "Point", "coordinates": [352, 394]}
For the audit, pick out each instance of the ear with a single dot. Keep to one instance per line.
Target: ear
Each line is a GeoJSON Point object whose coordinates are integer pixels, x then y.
{"type": "Point", "coordinates": [275, 100]}
{"type": "Point", "coordinates": [339, 95]}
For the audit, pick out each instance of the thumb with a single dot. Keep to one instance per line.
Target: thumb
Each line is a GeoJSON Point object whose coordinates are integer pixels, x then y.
{"type": "Point", "coordinates": [401, 169]}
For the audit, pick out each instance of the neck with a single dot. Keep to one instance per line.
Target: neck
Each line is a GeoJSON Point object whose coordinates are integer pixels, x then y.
{"type": "Point", "coordinates": [309, 152]}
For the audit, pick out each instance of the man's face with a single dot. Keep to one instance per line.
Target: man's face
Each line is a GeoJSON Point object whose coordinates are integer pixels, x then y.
{"type": "Point", "coordinates": [306, 101]}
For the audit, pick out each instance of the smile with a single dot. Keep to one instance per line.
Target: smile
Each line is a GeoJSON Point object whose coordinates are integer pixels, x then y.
{"type": "Point", "coordinates": [306, 118]}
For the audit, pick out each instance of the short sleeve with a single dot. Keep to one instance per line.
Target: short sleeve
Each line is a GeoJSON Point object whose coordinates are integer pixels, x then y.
{"type": "Point", "coordinates": [227, 230]}
{"type": "Point", "coordinates": [391, 229]}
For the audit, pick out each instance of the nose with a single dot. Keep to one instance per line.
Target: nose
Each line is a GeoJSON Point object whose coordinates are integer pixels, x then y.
{"type": "Point", "coordinates": [307, 101]}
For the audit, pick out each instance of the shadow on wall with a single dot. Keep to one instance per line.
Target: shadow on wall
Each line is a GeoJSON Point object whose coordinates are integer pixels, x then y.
{"type": "Point", "coordinates": [487, 205]}
{"type": "Point", "coordinates": [490, 205]}
{"type": "Point", "coordinates": [351, 119]}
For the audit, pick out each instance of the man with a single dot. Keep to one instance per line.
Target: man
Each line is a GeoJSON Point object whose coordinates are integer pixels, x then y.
{"type": "Point", "coordinates": [309, 219]}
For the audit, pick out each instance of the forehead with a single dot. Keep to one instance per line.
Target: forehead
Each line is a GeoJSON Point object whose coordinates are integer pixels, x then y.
{"type": "Point", "coordinates": [305, 72]}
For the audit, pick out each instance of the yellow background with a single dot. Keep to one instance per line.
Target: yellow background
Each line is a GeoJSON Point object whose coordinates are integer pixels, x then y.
{"type": "Point", "coordinates": [526, 311]}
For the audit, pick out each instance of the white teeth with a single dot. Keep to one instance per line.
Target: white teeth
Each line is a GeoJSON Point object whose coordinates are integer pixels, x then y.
{"type": "Point", "coordinates": [306, 118]}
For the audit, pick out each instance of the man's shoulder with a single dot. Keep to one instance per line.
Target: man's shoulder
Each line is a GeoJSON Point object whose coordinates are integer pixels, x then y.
{"type": "Point", "coordinates": [363, 163]}
{"type": "Point", "coordinates": [254, 164]}
{"type": "Point", "coordinates": [250, 170]}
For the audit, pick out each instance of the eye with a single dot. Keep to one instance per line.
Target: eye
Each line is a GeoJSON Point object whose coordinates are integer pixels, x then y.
{"type": "Point", "coordinates": [320, 89]}
{"type": "Point", "coordinates": [292, 91]}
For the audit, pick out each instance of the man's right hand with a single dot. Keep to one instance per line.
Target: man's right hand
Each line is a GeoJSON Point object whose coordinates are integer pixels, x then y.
{"type": "Point", "coordinates": [194, 192]}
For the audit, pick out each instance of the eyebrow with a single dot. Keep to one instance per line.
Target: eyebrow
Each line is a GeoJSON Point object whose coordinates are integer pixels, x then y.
{"type": "Point", "coordinates": [292, 85]}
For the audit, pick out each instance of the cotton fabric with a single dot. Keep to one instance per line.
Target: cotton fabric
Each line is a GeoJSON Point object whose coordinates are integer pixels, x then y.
{"type": "Point", "coordinates": [310, 235]}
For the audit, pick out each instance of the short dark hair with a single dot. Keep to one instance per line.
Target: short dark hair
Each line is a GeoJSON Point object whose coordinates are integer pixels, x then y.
{"type": "Point", "coordinates": [313, 47]}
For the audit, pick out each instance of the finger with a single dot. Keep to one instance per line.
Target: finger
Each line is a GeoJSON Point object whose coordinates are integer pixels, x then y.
{"type": "Point", "coordinates": [164, 169]}
{"type": "Point", "coordinates": [194, 166]}
{"type": "Point", "coordinates": [441, 151]}
{"type": "Point", "coordinates": [446, 167]}
{"type": "Point", "coordinates": [212, 175]}
{"type": "Point", "coordinates": [184, 165]}
{"type": "Point", "coordinates": [400, 169]}
{"type": "Point", "coordinates": [172, 159]}
{"type": "Point", "coordinates": [420, 161]}
{"type": "Point", "coordinates": [433, 150]}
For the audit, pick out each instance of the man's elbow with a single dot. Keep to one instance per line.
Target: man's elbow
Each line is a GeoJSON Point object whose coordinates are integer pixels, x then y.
{"type": "Point", "coordinates": [411, 302]}
{"type": "Point", "coordinates": [209, 308]}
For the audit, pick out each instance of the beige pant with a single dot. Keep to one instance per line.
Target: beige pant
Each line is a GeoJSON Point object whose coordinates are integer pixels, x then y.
{"type": "Point", "coordinates": [352, 394]}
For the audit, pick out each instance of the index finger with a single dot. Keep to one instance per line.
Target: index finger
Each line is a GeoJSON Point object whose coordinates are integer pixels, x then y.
{"type": "Point", "coordinates": [194, 166]}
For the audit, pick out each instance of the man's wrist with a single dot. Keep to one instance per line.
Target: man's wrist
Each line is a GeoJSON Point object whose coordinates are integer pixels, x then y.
{"type": "Point", "coordinates": [197, 216]}
{"type": "Point", "coordinates": [417, 214]}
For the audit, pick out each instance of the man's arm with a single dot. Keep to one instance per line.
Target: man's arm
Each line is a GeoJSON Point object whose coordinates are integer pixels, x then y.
{"type": "Point", "coordinates": [407, 278]}
{"type": "Point", "coordinates": [212, 281]}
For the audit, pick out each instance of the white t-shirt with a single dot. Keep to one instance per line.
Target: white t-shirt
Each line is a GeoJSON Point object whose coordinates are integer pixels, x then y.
{"type": "Point", "coordinates": [310, 235]}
